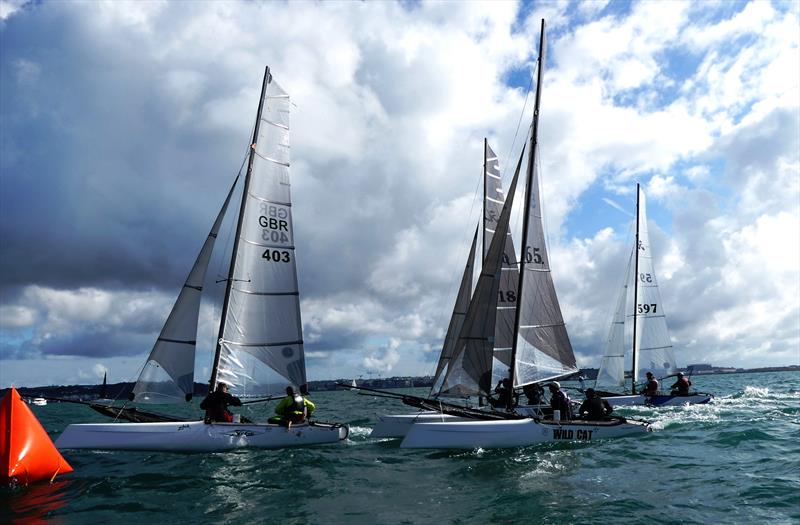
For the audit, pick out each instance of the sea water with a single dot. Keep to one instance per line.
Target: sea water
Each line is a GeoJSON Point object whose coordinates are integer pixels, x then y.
{"type": "Point", "coordinates": [736, 460]}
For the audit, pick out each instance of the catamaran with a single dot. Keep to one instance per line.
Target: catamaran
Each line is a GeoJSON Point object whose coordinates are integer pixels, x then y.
{"type": "Point", "coordinates": [643, 313]}
{"type": "Point", "coordinates": [260, 346]}
{"type": "Point", "coordinates": [539, 348]}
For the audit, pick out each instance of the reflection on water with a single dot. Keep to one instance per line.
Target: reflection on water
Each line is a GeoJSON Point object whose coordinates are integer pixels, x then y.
{"type": "Point", "coordinates": [34, 503]}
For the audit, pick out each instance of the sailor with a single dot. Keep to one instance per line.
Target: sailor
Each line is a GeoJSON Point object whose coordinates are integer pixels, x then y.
{"type": "Point", "coordinates": [294, 408]}
{"type": "Point", "coordinates": [595, 408]}
{"type": "Point", "coordinates": [534, 392]}
{"type": "Point", "coordinates": [559, 400]}
{"type": "Point", "coordinates": [651, 387]}
{"type": "Point", "coordinates": [681, 386]}
{"type": "Point", "coordinates": [216, 405]}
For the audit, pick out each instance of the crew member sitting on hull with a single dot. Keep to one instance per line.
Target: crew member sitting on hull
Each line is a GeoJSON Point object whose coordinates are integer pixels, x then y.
{"type": "Point", "coordinates": [294, 408]}
{"type": "Point", "coordinates": [216, 405]}
{"type": "Point", "coordinates": [559, 400]}
{"type": "Point", "coordinates": [595, 408]}
{"type": "Point", "coordinates": [681, 386]}
{"type": "Point", "coordinates": [651, 387]}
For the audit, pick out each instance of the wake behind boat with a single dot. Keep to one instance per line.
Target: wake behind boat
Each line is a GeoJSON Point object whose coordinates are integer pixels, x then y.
{"type": "Point", "coordinates": [260, 344]}
{"type": "Point", "coordinates": [651, 347]}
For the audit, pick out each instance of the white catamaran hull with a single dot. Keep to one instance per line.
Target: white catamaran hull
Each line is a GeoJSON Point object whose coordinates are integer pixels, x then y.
{"type": "Point", "coordinates": [196, 436]}
{"type": "Point", "coordinates": [658, 400]}
{"type": "Point", "coordinates": [397, 425]}
{"type": "Point", "coordinates": [513, 433]}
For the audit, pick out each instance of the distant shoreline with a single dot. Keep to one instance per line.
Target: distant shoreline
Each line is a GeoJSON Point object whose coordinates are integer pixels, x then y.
{"type": "Point", "coordinates": [121, 390]}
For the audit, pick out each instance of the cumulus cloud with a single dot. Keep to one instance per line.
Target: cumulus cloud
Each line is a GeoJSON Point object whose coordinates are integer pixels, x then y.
{"type": "Point", "coordinates": [116, 156]}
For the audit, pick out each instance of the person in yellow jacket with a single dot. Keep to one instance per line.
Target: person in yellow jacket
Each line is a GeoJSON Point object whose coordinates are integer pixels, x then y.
{"type": "Point", "coordinates": [294, 408]}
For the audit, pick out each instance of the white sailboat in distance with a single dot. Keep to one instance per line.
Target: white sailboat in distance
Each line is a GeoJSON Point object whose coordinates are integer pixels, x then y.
{"type": "Point", "coordinates": [639, 308]}
{"type": "Point", "coordinates": [260, 347]}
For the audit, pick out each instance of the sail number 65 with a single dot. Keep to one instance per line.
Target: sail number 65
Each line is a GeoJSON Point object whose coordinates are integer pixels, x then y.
{"type": "Point", "coordinates": [276, 255]}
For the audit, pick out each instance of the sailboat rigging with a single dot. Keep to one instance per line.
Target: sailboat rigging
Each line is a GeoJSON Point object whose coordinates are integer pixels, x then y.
{"type": "Point", "coordinates": [651, 347]}
{"type": "Point", "coordinates": [260, 344]}
{"type": "Point", "coordinates": [540, 345]}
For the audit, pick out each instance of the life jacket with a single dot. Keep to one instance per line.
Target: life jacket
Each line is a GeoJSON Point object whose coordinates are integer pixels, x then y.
{"type": "Point", "coordinates": [297, 404]}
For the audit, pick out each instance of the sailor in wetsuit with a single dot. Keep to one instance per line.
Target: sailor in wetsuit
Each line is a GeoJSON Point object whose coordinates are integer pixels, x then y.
{"type": "Point", "coordinates": [595, 408]}
{"type": "Point", "coordinates": [294, 408]}
{"type": "Point", "coordinates": [216, 405]}
{"type": "Point", "coordinates": [651, 387]}
{"type": "Point", "coordinates": [681, 386]}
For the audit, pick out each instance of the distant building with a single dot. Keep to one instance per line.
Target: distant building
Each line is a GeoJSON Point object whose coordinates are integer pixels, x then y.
{"type": "Point", "coordinates": [700, 366]}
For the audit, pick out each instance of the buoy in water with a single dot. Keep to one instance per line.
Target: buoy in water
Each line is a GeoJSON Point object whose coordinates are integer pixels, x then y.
{"type": "Point", "coordinates": [27, 454]}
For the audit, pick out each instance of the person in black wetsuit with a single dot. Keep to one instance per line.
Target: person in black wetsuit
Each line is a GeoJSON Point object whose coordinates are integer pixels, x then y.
{"type": "Point", "coordinates": [216, 405]}
{"type": "Point", "coordinates": [559, 400]}
{"type": "Point", "coordinates": [595, 408]}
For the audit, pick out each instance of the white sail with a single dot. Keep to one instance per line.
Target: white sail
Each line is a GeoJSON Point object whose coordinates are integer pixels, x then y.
{"type": "Point", "coordinates": [653, 348]}
{"type": "Point", "coordinates": [261, 343]}
{"type": "Point", "coordinates": [612, 366]}
{"type": "Point", "coordinates": [493, 200]}
{"type": "Point", "coordinates": [543, 348]}
{"type": "Point", "coordinates": [471, 365]}
{"type": "Point", "coordinates": [168, 374]}
{"type": "Point", "coordinates": [456, 321]}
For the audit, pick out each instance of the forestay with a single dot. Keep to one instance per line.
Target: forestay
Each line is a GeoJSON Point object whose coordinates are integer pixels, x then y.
{"type": "Point", "coordinates": [261, 344]}
{"type": "Point", "coordinates": [168, 374]}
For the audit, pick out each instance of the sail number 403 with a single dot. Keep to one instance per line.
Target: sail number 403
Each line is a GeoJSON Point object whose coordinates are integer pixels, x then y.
{"type": "Point", "coordinates": [276, 256]}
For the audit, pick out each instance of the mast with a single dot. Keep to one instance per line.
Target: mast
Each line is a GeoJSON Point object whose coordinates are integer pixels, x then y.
{"type": "Point", "coordinates": [229, 283]}
{"type": "Point", "coordinates": [525, 216]}
{"type": "Point", "coordinates": [483, 214]}
{"type": "Point", "coordinates": [635, 295]}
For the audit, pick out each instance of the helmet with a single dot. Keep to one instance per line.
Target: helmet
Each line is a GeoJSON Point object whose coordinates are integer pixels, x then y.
{"type": "Point", "coordinates": [555, 384]}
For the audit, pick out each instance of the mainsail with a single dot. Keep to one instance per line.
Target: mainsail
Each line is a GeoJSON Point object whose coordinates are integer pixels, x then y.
{"type": "Point", "coordinates": [493, 200]}
{"type": "Point", "coordinates": [542, 349]}
{"type": "Point", "coordinates": [168, 374]}
{"type": "Point", "coordinates": [471, 365]}
{"type": "Point", "coordinates": [260, 345]}
{"type": "Point", "coordinates": [652, 345]}
{"type": "Point", "coordinates": [456, 321]}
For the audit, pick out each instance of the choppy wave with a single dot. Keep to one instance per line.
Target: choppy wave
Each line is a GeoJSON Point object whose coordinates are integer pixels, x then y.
{"type": "Point", "coordinates": [739, 452]}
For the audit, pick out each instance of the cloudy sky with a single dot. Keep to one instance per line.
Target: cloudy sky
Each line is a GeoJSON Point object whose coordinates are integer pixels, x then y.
{"type": "Point", "coordinates": [123, 123]}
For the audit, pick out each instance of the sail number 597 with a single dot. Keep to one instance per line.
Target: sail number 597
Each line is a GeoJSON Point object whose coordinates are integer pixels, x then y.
{"type": "Point", "coordinates": [276, 256]}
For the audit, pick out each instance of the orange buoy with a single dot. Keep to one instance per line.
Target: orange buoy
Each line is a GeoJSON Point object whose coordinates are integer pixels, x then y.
{"type": "Point", "coordinates": [27, 454]}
